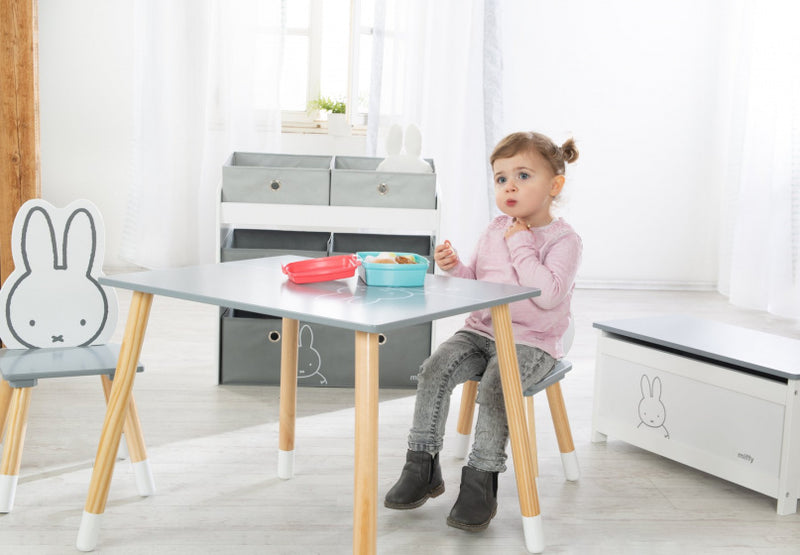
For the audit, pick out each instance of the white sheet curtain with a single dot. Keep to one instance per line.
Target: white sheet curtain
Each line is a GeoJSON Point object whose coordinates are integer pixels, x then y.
{"type": "Point", "coordinates": [760, 123]}
{"type": "Point", "coordinates": [438, 65]}
{"type": "Point", "coordinates": [195, 65]}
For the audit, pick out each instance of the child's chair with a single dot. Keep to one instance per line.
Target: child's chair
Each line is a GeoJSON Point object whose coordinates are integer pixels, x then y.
{"type": "Point", "coordinates": [551, 385]}
{"type": "Point", "coordinates": [55, 320]}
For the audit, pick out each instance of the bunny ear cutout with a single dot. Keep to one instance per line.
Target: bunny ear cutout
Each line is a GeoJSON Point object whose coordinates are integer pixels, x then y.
{"type": "Point", "coordinates": [33, 238]}
{"type": "Point", "coordinates": [80, 242]}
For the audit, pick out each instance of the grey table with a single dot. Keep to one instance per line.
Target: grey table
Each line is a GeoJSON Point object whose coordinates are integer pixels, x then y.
{"type": "Point", "coordinates": [260, 286]}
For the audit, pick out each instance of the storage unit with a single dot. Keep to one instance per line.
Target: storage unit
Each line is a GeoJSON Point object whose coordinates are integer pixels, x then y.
{"type": "Point", "coordinates": [249, 344]}
{"type": "Point", "coordinates": [719, 398]}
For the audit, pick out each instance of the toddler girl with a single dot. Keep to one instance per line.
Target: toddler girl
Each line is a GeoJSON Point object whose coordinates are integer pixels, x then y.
{"type": "Point", "coordinates": [525, 246]}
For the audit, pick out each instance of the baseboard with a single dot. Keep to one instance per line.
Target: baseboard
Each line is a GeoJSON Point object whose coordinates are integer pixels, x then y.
{"type": "Point", "coordinates": [646, 285]}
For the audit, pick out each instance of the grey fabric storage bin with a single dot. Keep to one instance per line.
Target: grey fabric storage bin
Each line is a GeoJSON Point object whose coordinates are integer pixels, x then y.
{"type": "Point", "coordinates": [354, 182]}
{"type": "Point", "coordinates": [344, 243]}
{"type": "Point", "coordinates": [260, 243]}
{"type": "Point", "coordinates": [250, 353]}
{"type": "Point", "coordinates": [276, 178]}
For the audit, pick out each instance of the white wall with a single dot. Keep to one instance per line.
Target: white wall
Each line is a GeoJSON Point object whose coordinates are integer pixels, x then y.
{"type": "Point", "coordinates": [634, 81]}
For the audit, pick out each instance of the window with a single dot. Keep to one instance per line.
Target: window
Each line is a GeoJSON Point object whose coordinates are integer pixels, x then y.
{"type": "Point", "coordinates": [326, 51]}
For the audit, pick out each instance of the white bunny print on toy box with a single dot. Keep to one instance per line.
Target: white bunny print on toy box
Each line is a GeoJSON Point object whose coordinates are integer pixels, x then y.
{"type": "Point", "coordinates": [53, 298]}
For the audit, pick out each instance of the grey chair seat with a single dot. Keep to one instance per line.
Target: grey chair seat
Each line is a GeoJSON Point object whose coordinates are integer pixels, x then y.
{"type": "Point", "coordinates": [24, 367]}
{"type": "Point", "coordinates": [556, 374]}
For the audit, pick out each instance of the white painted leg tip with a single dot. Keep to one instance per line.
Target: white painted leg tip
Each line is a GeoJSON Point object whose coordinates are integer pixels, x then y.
{"type": "Point", "coordinates": [285, 464]}
{"type": "Point", "coordinates": [534, 536]}
{"type": "Point", "coordinates": [88, 532]}
{"type": "Point", "coordinates": [462, 445]}
{"type": "Point", "coordinates": [122, 452]}
{"type": "Point", "coordinates": [571, 469]}
{"type": "Point", "coordinates": [8, 490]}
{"type": "Point", "coordinates": [144, 478]}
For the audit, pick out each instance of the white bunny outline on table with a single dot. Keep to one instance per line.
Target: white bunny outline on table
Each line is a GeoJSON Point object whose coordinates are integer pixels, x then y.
{"type": "Point", "coordinates": [408, 292]}
{"type": "Point", "coordinates": [35, 246]}
{"type": "Point", "coordinates": [653, 401]}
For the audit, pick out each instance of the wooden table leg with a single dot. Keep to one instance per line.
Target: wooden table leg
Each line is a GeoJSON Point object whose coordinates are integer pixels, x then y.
{"type": "Point", "coordinates": [466, 412]}
{"type": "Point", "coordinates": [365, 497]}
{"type": "Point", "coordinates": [116, 413]}
{"type": "Point", "coordinates": [288, 398]}
{"type": "Point", "coordinates": [518, 431]}
{"type": "Point", "coordinates": [5, 402]}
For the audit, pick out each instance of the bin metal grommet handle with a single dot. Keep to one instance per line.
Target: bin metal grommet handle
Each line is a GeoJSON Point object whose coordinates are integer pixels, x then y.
{"type": "Point", "coordinates": [275, 185]}
{"type": "Point", "coordinates": [382, 339]}
{"type": "Point", "coordinates": [274, 336]}
{"type": "Point", "coordinates": [383, 188]}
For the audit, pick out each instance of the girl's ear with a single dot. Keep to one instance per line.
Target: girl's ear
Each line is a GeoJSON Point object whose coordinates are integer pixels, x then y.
{"type": "Point", "coordinates": [556, 185]}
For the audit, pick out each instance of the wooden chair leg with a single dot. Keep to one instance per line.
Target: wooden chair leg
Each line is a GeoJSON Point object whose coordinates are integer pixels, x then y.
{"type": "Point", "coordinates": [134, 438]}
{"type": "Point", "coordinates": [469, 393]}
{"type": "Point", "coordinates": [12, 450]}
{"type": "Point", "coordinates": [561, 423]}
{"type": "Point", "coordinates": [532, 434]}
{"type": "Point", "coordinates": [5, 403]}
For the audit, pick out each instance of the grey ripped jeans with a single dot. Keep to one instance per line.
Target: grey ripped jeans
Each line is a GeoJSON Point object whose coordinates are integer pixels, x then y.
{"type": "Point", "coordinates": [469, 356]}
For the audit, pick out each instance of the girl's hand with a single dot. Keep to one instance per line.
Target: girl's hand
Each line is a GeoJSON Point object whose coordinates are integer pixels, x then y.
{"type": "Point", "coordinates": [515, 227]}
{"type": "Point", "coordinates": [445, 256]}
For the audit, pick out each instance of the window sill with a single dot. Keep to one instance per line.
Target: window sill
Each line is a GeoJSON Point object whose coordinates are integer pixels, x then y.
{"type": "Point", "coordinates": [317, 128]}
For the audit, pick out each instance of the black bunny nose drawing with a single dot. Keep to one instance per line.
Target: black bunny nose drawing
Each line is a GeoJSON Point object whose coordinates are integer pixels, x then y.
{"type": "Point", "coordinates": [57, 338]}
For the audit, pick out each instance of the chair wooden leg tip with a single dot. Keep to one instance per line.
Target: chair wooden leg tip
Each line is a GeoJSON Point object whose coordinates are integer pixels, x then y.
{"type": "Point", "coordinates": [462, 445]}
{"type": "Point", "coordinates": [534, 535]}
{"type": "Point", "coordinates": [570, 463]}
{"type": "Point", "coordinates": [285, 464]}
{"type": "Point", "coordinates": [89, 532]}
{"type": "Point", "coordinates": [144, 478]}
{"type": "Point", "coordinates": [8, 490]}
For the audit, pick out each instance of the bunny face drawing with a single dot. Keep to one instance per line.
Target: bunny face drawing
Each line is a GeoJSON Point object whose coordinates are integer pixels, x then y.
{"type": "Point", "coordinates": [309, 360]}
{"type": "Point", "coordinates": [652, 412]}
{"type": "Point", "coordinates": [53, 299]}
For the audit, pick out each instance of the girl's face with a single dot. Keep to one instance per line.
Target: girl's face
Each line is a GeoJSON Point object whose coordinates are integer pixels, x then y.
{"type": "Point", "coordinates": [524, 187]}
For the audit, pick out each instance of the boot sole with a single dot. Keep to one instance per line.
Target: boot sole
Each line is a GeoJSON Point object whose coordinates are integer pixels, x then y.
{"type": "Point", "coordinates": [435, 492]}
{"type": "Point", "coordinates": [471, 527]}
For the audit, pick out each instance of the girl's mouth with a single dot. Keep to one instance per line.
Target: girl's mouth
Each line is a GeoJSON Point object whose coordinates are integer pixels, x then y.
{"type": "Point", "coordinates": [511, 202]}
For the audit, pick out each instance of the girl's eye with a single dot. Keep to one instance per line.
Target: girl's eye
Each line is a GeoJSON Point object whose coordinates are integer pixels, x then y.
{"type": "Point", "coordinates": [524, 175]}
{"type": "Point", "coordinates": [501, 180]}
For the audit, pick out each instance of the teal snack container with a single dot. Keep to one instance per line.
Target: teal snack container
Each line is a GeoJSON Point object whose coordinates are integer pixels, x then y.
{"type": "Point", "coordinates": [393, 275]}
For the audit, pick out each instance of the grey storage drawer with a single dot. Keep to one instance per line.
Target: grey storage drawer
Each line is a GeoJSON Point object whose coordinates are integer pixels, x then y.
{"type": "Point", "coordinates": [259, 243]}
{"type": "Point", "coordinates": [354, 182]}
{"type": "Point", "coordinates": [276, 178]}
{"type": "Point", "coordinates": [344, 243]}
{"type": "Point", "coordinates": [250, 353]}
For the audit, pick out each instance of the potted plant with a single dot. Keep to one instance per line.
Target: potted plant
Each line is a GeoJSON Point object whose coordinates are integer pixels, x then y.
{"type": "Point", "coordinates": [337, 119]}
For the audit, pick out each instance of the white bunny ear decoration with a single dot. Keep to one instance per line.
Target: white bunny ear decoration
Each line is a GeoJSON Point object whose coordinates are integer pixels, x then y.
{"type": "Point", "coordinates": [53, 298]}
{"type": "Point", "coordinates": [409, 161]}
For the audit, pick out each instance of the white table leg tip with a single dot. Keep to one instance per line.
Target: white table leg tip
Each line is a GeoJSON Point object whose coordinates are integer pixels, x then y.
{"type": "Point", "coordinates": [89, 532]}
{"type": "Point", "coordinates": [571, 469]}
{"type": "Point", "coordinates": [144, 478]}
{"type": "Point", "coordinates": [285, 464]}
{"type": "Point", "coordinates": [598, 437]}
{"type": "Point", "coordinates": [8, 490]}
{"type": "Point", "coordinates": [534, 536]}
{"type": "Point", "coordinates": [462, 445]}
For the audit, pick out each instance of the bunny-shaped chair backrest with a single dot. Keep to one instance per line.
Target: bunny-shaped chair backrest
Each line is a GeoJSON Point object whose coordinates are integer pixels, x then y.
{"type": "Point", "coordinates": [410, 161]}
{"type": "Point", "coordinates": [53, 298]}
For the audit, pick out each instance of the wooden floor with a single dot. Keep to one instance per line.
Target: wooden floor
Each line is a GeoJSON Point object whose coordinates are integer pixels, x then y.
{"type": "Point", "coordinates": [214, 455]}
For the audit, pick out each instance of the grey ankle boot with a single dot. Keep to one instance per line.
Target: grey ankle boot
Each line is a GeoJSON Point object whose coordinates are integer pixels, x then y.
{"type": "Point", "coordinates": [477, 500]}
{"type": "Point", "coordinates": [421, 478]}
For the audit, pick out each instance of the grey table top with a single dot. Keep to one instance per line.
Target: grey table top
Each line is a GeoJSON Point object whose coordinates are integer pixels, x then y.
{"type": "Point", "coordinates": [744, 348]}
{"type": "Point", "coordinates": [259, 285]}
